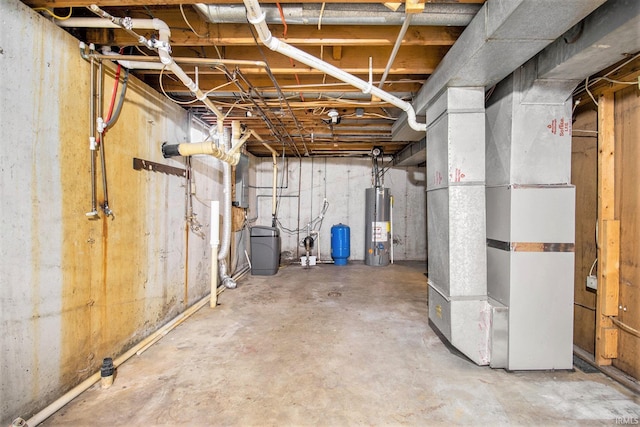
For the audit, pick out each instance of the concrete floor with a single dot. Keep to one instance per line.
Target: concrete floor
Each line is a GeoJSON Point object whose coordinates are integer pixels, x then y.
{"type": "Point", "coordinates": [333, 346]}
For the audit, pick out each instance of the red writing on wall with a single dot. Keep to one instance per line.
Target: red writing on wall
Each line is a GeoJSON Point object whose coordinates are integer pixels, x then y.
{"type": "Point", "coordinates": [559, 127]}
{"type": "Point", "coordinates": [457, 177]}
{"type": "Point", "coordinates": [437, 178]}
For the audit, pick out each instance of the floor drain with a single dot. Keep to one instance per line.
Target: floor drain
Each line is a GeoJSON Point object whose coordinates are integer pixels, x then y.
{"type": "Point", "coordinates": [334, 294]}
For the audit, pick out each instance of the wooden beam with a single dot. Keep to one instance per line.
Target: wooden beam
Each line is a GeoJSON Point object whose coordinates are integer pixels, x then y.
{"type": "Point", "coordinates": [83, 3]}
{"type": "Point", "coordinates": [336, 53]}
{"type": "Point", "coordinates": [414, 6]}
{"type": "Point", "coordinates": [263, 84]}
{"type": "Point", "coordinates": [355, 60]}
{"type": "Point", "coordinates": [608, 234]}
{"type": "Point", "coordinates": [298, 35]}
{"type": "Point", "coordinates": [609, 348]}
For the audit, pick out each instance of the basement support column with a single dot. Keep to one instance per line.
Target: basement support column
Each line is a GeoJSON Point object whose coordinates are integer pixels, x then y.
{"type": "Point", "coordinates": [531, 218]}
{"type": "Point", "coordinates": [458, 305]}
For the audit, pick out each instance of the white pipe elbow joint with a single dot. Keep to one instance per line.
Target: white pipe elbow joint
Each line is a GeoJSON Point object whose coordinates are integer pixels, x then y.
{"type": "Point", "coordinates": [165, 58]}
{"type": "Point", "coordinates": [161, 26]}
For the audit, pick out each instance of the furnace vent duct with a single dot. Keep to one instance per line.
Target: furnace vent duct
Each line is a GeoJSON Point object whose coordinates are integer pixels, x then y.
{"type": "Point", "coordinates": [457, 15]}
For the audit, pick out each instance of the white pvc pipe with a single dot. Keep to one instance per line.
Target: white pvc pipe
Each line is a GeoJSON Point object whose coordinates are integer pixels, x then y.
{"type": "Point", "coordinates": [163, 51]}
{"type": "Point", "coordinates": [209, 148]}
{"type": "Point", "coordinates": [142, 24]}
{"type": "Point", "coordinates": [77, 390]}
{"type": "Point", "coordinates": [257, 18]}
{"type": "Point", "coordinates": [225, 242]}
{"type": "Point", "coordinates": [214, 241]}
{"type": "Point", "coordinates": [396, 48]}
{"type": "Point", "coordinates": [391, 227]}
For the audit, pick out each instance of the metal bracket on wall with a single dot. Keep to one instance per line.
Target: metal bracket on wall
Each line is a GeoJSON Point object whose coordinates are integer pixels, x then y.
{"type": "Point", "coordinates": [140, 164]}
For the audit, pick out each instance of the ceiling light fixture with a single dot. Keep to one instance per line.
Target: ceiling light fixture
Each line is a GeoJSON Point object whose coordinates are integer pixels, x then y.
{"type": "Point", "coordinates": [334, 116]}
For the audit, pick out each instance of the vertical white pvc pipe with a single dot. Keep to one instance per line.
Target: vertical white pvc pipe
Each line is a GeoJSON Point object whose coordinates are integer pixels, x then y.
{"type": "Point", "coordinates": [215, 241]}
{"type": "Point", "coordinates": [391, 227]}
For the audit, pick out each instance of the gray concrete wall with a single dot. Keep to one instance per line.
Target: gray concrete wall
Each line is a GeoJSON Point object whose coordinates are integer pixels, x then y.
{"type": "Point", "coordinates": [342, 181]}
{"type": "Point", "coordinates": [73, 291]}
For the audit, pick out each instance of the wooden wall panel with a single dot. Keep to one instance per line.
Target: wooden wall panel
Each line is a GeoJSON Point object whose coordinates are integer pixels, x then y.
{"type": "Point", "coordinates": [584, 177]}
{"type": "Point", "coordinates": [627, 122]}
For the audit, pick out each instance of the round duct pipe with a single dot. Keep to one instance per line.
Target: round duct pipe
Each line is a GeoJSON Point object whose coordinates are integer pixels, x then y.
{"type": "Point", "coordinates": [344, 14]}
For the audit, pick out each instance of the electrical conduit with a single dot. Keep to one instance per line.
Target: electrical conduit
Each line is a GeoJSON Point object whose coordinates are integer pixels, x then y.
{"type": "Point", "coordinates": [257, 18]}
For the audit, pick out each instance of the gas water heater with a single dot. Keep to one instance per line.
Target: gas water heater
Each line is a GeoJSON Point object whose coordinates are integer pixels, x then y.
{"type": "Point", "coordinates": [377, 227]}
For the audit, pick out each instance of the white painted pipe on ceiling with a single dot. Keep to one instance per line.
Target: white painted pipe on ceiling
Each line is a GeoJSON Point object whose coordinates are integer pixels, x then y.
{"type": "Point", "coordinates": [162, 46]}
{"type": "Point", "coordinates": [257, 18]}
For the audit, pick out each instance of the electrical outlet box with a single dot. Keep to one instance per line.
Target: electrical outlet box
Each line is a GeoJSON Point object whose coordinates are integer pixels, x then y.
{"type": "Point", "coordinates": [592, 282]}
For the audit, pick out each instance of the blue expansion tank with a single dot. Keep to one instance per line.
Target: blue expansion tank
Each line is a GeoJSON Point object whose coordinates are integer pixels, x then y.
{"type": "Point", "coordinates": [340, 244]}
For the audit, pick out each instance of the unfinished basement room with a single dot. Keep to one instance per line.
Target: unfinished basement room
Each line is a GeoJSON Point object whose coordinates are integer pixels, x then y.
{"type": "Point", "coordinates": [306, 213]}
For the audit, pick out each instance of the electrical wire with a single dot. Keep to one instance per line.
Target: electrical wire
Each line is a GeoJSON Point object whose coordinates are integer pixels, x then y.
{"type": "Point", "coordinates": [586, 87]}
{"type": "Point", "coordinates": [618, 81]}
{"type": "Point", "coordinates": [314, 225]}
{"type": "Point", "coordinates": [594, 81]}
{"type": "Point", "coordinates": [625, 327]}
{"type": "Point", "coordinates": [320, 17]}
{"type": "Point", "coordinates": [167, 95]}
{"type": "Point", "coordinates": [592, 266]}
{"type": "Point", "coordinates": [112, 118]}
{"type": "Point", "coordinates": [50, 12]}
{"type": "Point", "coordinates": [189, 24]}
{"type": "Point", "coordinates": [284, 21]}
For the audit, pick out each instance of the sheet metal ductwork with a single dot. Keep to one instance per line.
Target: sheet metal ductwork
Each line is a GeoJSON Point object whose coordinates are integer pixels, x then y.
{"type": "Point", "coordinates": [343, 14]}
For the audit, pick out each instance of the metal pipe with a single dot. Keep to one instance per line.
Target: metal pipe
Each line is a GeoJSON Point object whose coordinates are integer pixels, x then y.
{"type": "Point", "coordinates": [225, 242]}
{"type": "Point", "coordinates": [345, 14]}
{"type": "Point", "coordinates": [396, 48]}
{"type": "Point", "coordinates": [103, 164]}
{"type": "Point", "coordinates": [257, 18]}
{"type": "Point", "coordinates": [93, 214]}
{"type": "Point", "coordinates": [149, 60]}
{"type": "Point", "coordinates": [274, 154]}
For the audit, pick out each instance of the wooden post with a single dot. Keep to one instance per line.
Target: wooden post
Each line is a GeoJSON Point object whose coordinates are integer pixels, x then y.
{"type": "Point", "coordinates": [608, 237]}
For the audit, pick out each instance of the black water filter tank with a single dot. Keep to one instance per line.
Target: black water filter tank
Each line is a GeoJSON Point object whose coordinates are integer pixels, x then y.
{"type": "Point", "coordinates": [265, 251]}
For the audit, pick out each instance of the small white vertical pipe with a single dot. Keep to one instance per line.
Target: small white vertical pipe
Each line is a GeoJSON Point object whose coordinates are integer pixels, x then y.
{"type": "Point", "coordinates": [215, 242]}
{"type": "Point", "coordinates": [391, 227]}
